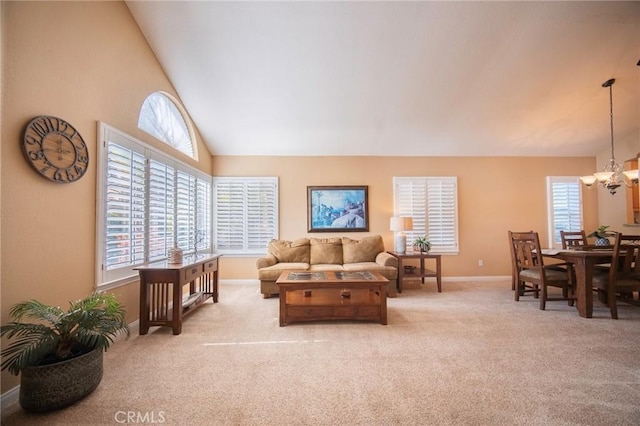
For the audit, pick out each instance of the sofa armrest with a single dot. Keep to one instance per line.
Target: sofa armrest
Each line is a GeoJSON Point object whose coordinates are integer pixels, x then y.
{"type": "Point", "coordinates": [385, 259]}
{"type": "Point", "coordinates": [264, 262]}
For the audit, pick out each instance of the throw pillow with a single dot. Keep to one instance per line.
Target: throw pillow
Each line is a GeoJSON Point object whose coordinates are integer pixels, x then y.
{"type": "Point", "coordinates": [363, 250]}
{"type": "Point", "coordinates": [326, 250]}
{"type": "Point", "coordinates": [290, 251]}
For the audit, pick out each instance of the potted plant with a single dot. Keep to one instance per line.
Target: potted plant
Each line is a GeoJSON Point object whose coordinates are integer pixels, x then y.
{"type": "Point", "coordinates": [422, 244]}
{"type": "Point", "coordinates": [59, 355]}
{"type": "Point", "coordinates": [600, 235]}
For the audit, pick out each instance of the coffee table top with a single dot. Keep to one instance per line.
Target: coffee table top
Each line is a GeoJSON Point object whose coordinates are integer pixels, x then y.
{"type": "Point", "coordinates": [330, 276]}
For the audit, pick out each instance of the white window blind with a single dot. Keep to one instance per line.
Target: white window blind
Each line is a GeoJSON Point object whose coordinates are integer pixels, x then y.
{"type": "Point", "coordinates": [564, 206]}
{"type": "Point", "coordinates": [148, 202]}
{"type": "Point", "coordinates": [125, 206]}
{"type": "Point", "coordinates": [246, 214]}
{"type": "Point", "coordinates": [432, 202]}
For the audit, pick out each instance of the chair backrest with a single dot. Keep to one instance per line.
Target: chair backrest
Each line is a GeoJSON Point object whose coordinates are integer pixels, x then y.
{"type": "Point", "coordinates": [526, 253]}
{"type": "Point", "coordinates": [626, 254]}
{"type": "Point", "coordinates": [573, 238]}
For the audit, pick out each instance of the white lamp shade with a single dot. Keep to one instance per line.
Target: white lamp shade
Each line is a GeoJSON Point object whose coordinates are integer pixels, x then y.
{"type": "Point", "coordinates": [401, 223]}
{"type": "Point", "coordinates": [588, 180]}
{"type": "Point", "coordinates": [603, 176]}
{"type": "Point", "coordinates": [631, 174]}
{"type": "Point", "coordinates": [396, 224]}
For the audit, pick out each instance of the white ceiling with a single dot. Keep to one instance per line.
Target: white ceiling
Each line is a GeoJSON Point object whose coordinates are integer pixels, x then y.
{"type": "Point", "coordinates": [401, 78]}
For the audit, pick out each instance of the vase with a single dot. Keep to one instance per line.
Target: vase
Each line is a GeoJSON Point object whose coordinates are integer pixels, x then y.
{"type": "Point", "coordinates": [602, 241]}
{"type": "Point", "coordinates": [175, 255]}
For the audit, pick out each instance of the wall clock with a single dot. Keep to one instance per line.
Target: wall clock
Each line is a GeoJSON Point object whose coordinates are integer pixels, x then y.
{"type": "Point", "coordinates": [55, 149]}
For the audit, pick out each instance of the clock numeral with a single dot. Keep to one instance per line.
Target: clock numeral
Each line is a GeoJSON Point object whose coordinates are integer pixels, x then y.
{"type": "Point", "coordinates": [83, 159]}
{"type": "Point", "coordinates": [44, 126]}
{"type": "Point", "coordinates": [70, 175]}
{"type": "Point", "coordinates": [31, 140]}
{"type": "Point", "coordinates": [36, 155]}
{"type": "Point", "coordinates": [58, 175]}
{"type": "Point", "coordinates": [78, 170]}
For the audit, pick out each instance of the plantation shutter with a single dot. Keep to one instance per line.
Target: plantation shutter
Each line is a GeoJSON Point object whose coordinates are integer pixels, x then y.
{"type": "Point", "coordinates": [203, 213]}
{"type": "Point", "coordinates": [162, 189]}
{"type": "Point", "coordinates": [125, 207]}
{"type": "Point", "coordinates": [564, 207]}
{"type": "Point", "coordinates": [246, 214]}
{"type": "Point", "coordinates": [185, 210]}
{"type": "Point", "coordinates": [432, 203]}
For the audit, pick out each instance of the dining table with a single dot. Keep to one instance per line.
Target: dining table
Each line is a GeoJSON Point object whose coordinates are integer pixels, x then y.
{"type": "Point", "coordinates": [584, 259]}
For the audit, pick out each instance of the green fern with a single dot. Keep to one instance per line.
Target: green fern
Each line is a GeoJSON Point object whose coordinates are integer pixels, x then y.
{"type": "Point", "coordinates": [89, 323]}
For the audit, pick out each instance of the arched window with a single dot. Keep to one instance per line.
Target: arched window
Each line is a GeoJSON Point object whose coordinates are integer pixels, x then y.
{"type": "Point", "coordinates": [164, 118]}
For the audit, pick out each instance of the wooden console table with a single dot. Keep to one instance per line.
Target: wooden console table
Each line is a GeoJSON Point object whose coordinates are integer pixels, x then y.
{"type": "Point", "coordinates": [162, 299]}
{"type": "Point", "coordinates": [421, 273]}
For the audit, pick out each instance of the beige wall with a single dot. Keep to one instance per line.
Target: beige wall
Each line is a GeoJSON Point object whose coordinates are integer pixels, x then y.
{"type": "Point", "coordinates": [82, 62]}
{"type": "Point", "coordinates": [495, 195]}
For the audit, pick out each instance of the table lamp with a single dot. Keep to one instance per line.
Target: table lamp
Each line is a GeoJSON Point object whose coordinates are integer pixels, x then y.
{"type": "Point", "coordinates": [399, 224]}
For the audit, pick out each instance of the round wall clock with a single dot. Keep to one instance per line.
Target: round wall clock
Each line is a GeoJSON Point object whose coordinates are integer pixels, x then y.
{"type": "Point", "coordinates": [55, 149]}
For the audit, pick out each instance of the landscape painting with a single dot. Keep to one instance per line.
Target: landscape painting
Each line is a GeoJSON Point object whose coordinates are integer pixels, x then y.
{"type": "Point", "coordinates": [337, 208]}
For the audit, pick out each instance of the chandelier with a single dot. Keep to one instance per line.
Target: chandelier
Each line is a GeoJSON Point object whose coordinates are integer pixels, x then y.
{"type": "Point", "coordinates": [612, 175]}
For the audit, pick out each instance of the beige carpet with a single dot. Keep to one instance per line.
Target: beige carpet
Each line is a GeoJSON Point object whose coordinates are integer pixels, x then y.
{"type": "Point", "coordinates": [470, 355]}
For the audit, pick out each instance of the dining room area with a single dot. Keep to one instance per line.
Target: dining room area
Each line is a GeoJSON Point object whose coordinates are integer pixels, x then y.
{"type": "Point", "coordinates": [606, 271]}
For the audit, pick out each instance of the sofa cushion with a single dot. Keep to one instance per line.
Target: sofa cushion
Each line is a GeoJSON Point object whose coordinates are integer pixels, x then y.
{"type": "Point", "coordinates": [290, 251]}
{"type": "Point", "coordinates": [272, 273]}
{"type": "Point", "coordinates": [363, 250]}
{"type": "Point", "coordinates": [326, 250]}
{"type": "Point", "coordinates": [318, 267]}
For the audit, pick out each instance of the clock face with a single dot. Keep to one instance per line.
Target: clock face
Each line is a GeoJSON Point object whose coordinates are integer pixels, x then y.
{"type": "Point", "coordinates": [55, 149]}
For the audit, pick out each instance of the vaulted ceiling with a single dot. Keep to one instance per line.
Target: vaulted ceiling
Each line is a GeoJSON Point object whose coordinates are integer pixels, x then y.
{"type": "Point", "coordinates": [401, 78]}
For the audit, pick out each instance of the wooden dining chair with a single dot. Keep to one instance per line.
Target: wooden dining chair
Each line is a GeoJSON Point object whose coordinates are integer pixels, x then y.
{"type": "Point", "coordinates": [620, 282]}
{"type": "Point", "coordinates": [573, 238]}
{"type": "Point", "coordinates": [532, 275]}
{"type": "Point", "coordinates": [514, 266]}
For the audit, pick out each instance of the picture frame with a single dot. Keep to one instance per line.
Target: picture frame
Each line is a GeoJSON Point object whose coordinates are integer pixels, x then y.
{"type": "Point", "coordinates": [338, 208]}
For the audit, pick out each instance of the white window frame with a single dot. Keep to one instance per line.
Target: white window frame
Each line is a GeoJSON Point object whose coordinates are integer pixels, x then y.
{"type": "Point", "coordinates": [574, 221]}
{"type": "Point", "coordinates": [432, 202]}
{"type": "Point", "coordinates": [197, 205]}
{"type": "Point", "coordinates": [239, 221]}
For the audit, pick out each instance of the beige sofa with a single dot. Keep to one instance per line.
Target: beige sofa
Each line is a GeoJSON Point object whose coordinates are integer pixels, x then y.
{"type": "Point", "coordinates": [326, 254]}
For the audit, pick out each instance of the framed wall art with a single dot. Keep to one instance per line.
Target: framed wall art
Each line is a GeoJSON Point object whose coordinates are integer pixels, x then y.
{"type": "Point", "coordinates": [337, 208]}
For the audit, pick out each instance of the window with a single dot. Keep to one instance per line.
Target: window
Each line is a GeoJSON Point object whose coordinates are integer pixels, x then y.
{"type": "Point", "coordinates": [564, 205]}
{"type": "Point", "coordinates": [432, 202]}
{"type": "Point", "coordinates": [148, 203]}
{"type": "Point", "coordinates": [246, 214]}
{"type": "Point", "coordinates": [165, 119]}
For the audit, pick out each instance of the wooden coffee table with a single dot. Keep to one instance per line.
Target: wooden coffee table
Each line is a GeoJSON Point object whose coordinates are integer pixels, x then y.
{"type": "Point", "coordinates": [332, 295]}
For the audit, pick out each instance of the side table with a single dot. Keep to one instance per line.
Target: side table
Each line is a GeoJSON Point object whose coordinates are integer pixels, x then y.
{"type": "Point", "coordinates": [421, 273]}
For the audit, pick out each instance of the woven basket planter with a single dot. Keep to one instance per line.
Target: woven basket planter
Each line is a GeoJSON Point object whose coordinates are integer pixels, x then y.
{"type": "Point", "coordinates": [54, 386]}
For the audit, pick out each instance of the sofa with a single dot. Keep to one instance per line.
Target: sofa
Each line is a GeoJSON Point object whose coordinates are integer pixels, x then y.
{"type": "Point", "coordinates": [326, 254]}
